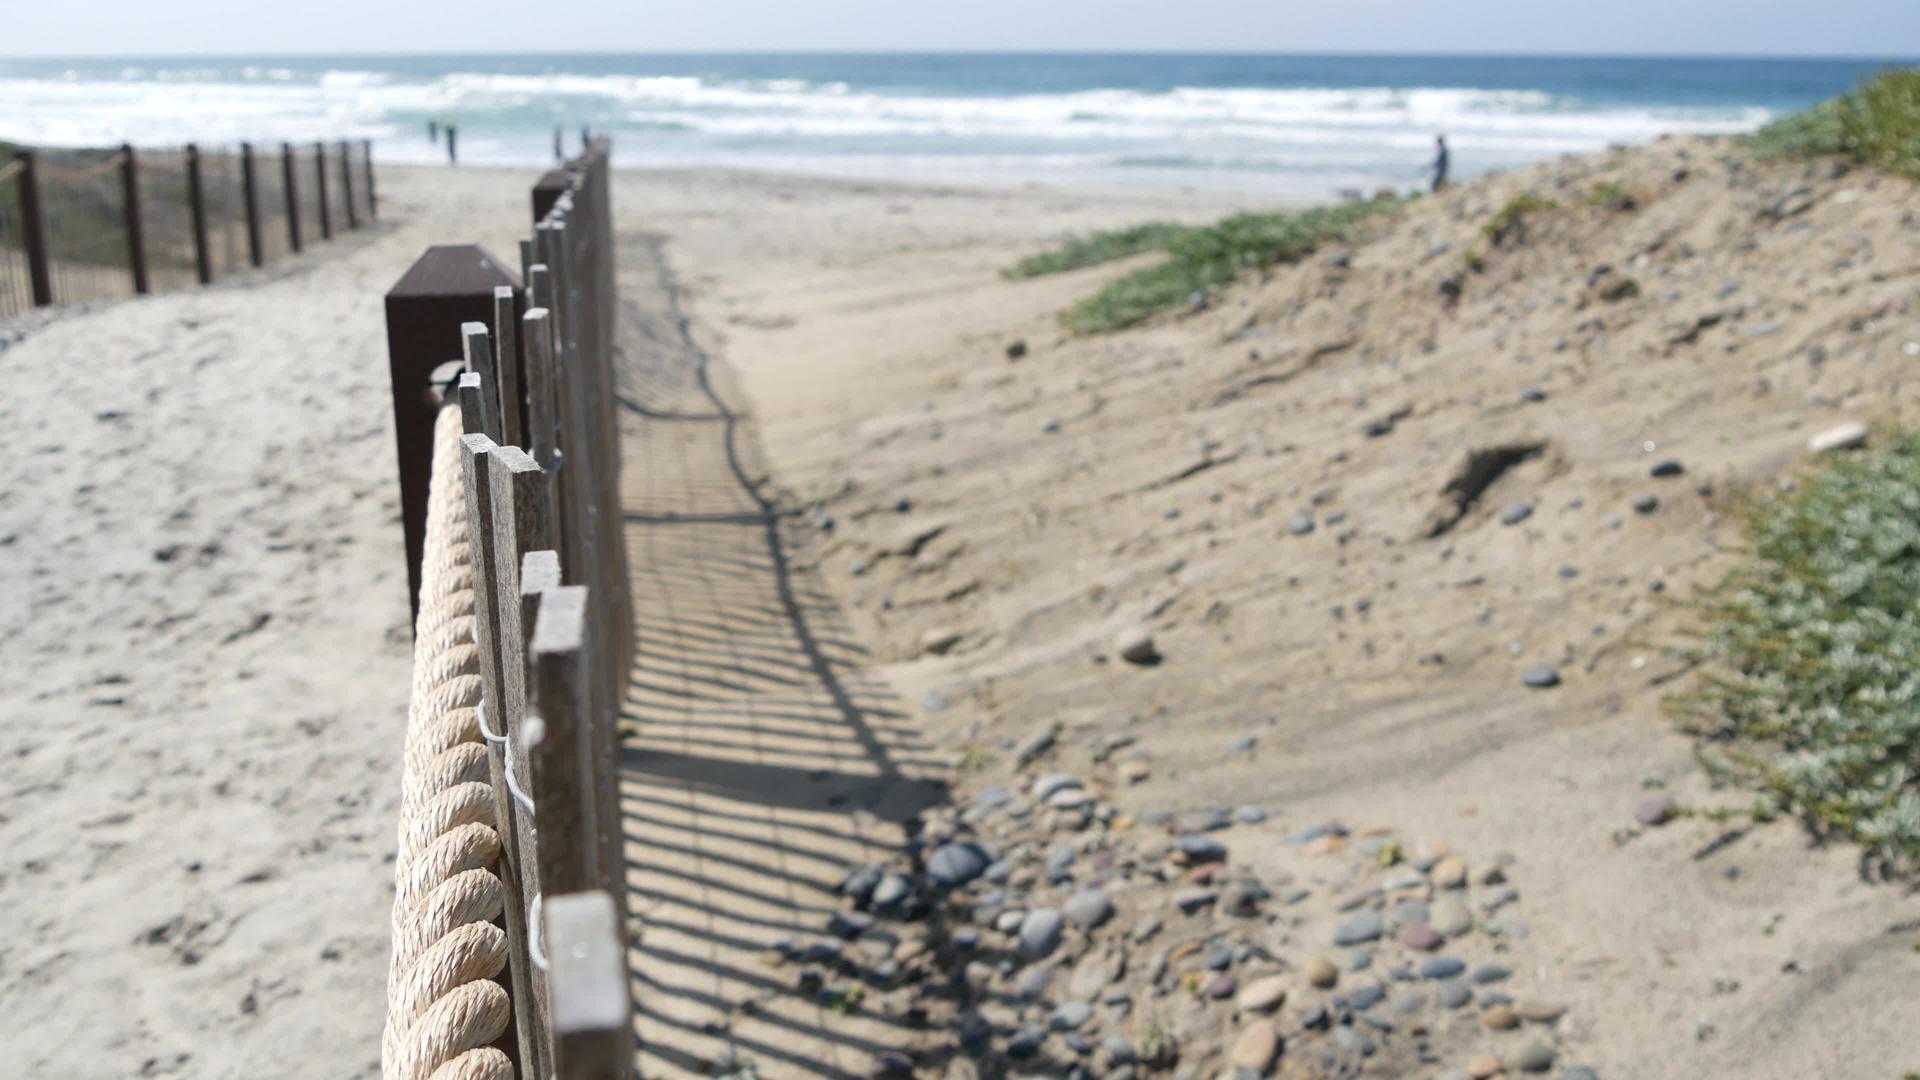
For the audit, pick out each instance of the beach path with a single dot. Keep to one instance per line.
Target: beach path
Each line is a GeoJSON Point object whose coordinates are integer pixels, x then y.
{"type": "Point", "coordinates": [765, 760]}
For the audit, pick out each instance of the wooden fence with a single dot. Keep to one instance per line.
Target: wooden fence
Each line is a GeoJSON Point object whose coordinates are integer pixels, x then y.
{"type": "Point", "coordinates": [81, 225]}
{"type": "Point", "coordinates": [527, 359]}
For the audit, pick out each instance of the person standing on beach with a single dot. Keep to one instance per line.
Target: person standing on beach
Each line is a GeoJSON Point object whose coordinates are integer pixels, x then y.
{"type": "Point", "coordinates": [1439, 162]}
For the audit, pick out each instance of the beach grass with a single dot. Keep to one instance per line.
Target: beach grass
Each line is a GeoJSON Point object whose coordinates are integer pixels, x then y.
{"type": "Point", "coordinates": [1876, 124]}
{"type": "Point", "coordinates": [1201, 259]}
{"type": "Point", "coordinates": [1814, 639]}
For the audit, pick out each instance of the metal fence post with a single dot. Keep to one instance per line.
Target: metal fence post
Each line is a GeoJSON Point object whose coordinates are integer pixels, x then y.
{"type": "Point", "coordinates": [287, 171]}
{"type": "Point", "coordinates": [197, 211]}
{"type": "Point", "coordinates": [250, 184]}
{"type": "Point", "coordinates": [33, 230]}
{"type": "Point", "coordinates": [448, 285]}
{"type": "Point", "coordinates": [320, 189]}
{"type": "Point", "coordinates": [136, 235]}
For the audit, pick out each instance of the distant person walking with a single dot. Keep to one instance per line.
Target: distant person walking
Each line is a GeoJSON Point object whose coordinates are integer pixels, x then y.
{"type": "Point", "coordinates": [433, 131]}
{"type": "Point", "coordinates": [1439, 162]}
{"type": "Point", "coordinates": [453, 138]}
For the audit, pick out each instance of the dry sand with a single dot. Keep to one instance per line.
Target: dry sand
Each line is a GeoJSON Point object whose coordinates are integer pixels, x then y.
{"type": "Point", "coordinates": [1147, 479]}
{"type": "Point", "coordinates": [205, 669]}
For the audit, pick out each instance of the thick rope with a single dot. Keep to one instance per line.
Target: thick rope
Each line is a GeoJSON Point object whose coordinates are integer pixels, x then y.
{"type": "Point", "coordinates": [443, 1006]}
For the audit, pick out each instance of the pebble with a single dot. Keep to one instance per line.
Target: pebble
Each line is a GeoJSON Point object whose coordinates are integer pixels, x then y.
{"type": "Point", "coordinates": [1356, 960]}
{"type": "Point", "coordinates": [1133, 772]}
{"type": "Point", "coordinates": [1441, 967]}
{"type": "Point", "coordinates": [1034, 745]}
{"type": "Point", "coordinates": [849, 924]}
{"type": "Point", "coordinates": [1360, 929]}
{"type": "Point", "coordinates": [1490, 973]}
{"type": "Point", "coordinates": [1515, 513]}
{"type": "Point", "coordinates": [1058, 860]}
{"type": "Point", "coordinates": [1301, 523]}
{"type": "Point", "coordinates": [1498, 900]}
{"type": "Point", "coordinates": [1070, 1016]}
{"type": "Point", "coordinates": [1040, 932]}
{"type": "Point", "coordinates": [1263, 995]}
{"type": "Point", "coordinates": [1241, 898]}
{"type": "Point", "coordinates": [1666, 469]}
{"type": "Point", "coordinates": [1352, 1041]}
{"type": "Point", "coordinates": [1320, 972]}
{"type": "Point", "coordinates": [1033, 983]}
{"type": "Point", "coordinates": [1422, 938]}
{"type": "Point", "coordinates": [1088, 908]}
{"type": "Point", "coordinates": [1655, 810]}
{"type": "Point", "coordinates": [939, 641]}
{"type": "Point", "coordinates": [1451, 917]}
{"type": "Point", "coordinates": [1196, 848]}
{"type": "Point", "coordinates": [1192, 900]}
{"type": "Point", "coordinates": [1453, 994]}
{"type": "Point", "coordinates": [889, 1065]}
{"type": "Point", "coordinates": [1136, 646]}
{"type": "Point", "coordinates": [1540, 678]}
{"type": "Point", "coordinates": [1119, 1050]}
{"type": "Point", "coordinates": [1026, 1042]}
{"type": "Point", "coordinates": [1255, 1048]}
{"type": "Point", "coordinates": [1500, 1018]}
{"type": "Point", "coordinates": [1450, 873]}
{"type": "Point", "coordinates": [1315, 832]}
{"type": "Point", "coordinates": [1219, 958]}
{"type": "Point", "coordinates": [1407, 1002]}
{"type": "Point", "coordinates": [1536, 1056]}
{"type": "Point", "coordinates": [1366, 997]}
{"type": "Point", "coordinates": [1579, 1072]}
{"type": "Point", "coordinates": [1222, 987]}
{"type": "Point", "coordinates": [1541, 1012]}
{"type": "Point", "coordinates": [1838, 438]}
{"type": "Point", "coordinates": [1047, 786]}
{"type": "Point", "coordinates": [1646, 503]}
{"type": "Point", "coordinates": [1250, 815]}
{"type": "Point", "coordinates": [998, 872]}
{"type": "Point", "coordinates": [954, 865]}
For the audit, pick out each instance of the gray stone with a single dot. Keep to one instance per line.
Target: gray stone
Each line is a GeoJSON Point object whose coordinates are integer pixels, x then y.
{"type": "Point", "coordinates": [1352, 1041]}
{"type": "Point", "coordinates": [1045, 787]}
{"type": "Point", "coordinates": [1646, 503]}
{"type": "Point", "coordinates": [1490, 973]}
{"type": "Point", "coordinates": [1071, 1016]}
{"type": "Point", "coordinates": [893, 890]}
{"type": "Point", "coordinates": [1579, 1072]}
{"type": "Point", "coordinates": [1040, 932]}
{"type": "Point", "coordinates": [1535, 1056]}
{"type": "Point", "coordinates": [1540, 678]}
{"type": "Point", "coordinates": [1250, 815]}
{"type": "Point", "coordinates": [1515, 513]}
{"type": "Point", "coordinates": [1441, 967]}
{"type": "Point", "coordinates": [1135, 646]}
{"type": "Point", "coordinates": [1088, 908]}
{"type": "Point", "coordinates": [1119, 1050]}
{"type": "Point", "coordinates": [849, 924]}
{"type": "Point", "coordinates": [1838, 438]}
{"type": "Point", "coordinates": [1058, 860]}
{"type": "Point", "coordinates": [1655, 810]}
{"type": "Point", "coordinates": [1360, 929]}
{"type": "Point", "coordinates": [1356, 960]}
{"type": "Point", "coordinates": [1025, 1043]}
{"type": "Point", "coordinates": [1034, 745]}
{"type": "Point", "coordinates": [1301, 523]}
{"type": "Point", "coordinates": [1242, 898]}
{"type": "Point", "coordinates": [953, 865]}
{"type": "Point", "coordinates": [1201, 849]}
{"type": "Point", "coordinates": [1451, 917]}
{"type": "Point", "coordinates": [1452, 994]}
{"type": "Point", "coordinates": [1192, 900]}
{"type": "Point", "coordinates": [1666, 469]}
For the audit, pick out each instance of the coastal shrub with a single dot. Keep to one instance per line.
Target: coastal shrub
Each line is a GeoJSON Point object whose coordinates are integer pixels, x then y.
{"type": "Point", "coordinates": [1876, 124]}
{"type": "Point", "coordinates": [1814, 639]}
{"type": "Point", "coordinates": [1203, 259]}
{"type": "Point", "coordinates": [1509, 221]}
{"type": "Point", "coordinates": [1101, 247]}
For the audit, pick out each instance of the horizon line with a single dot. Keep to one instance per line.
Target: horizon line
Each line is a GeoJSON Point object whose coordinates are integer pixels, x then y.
{"type": "Point", "coordinates": [904, 52]}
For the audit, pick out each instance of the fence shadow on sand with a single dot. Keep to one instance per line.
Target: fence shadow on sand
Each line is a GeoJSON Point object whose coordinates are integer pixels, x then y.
{"type": "Point", "coordinates": [762, 760]}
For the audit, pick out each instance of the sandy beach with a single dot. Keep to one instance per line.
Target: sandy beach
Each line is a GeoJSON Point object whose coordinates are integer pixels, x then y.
{"type": "Point", "coordinates": [206, 666]}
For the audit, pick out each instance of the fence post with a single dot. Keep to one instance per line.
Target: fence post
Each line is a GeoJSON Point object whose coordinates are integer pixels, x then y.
{"type": "Point", "coordinates": [490, 635]}
{"type": "Point", "coordinates": [320, 189]}
{"type": "Point", "coordinates": [507, 361]}
{"type": "Point", "coordinates": [287, 172]}
{"type": "Point", "coordinates": [250, 185]}
{"type": "Point", "coordinates": [197, 211]}
{"type": "Point", "coordinates": [346, 185]}
{"type": "Point", "coordinates": [33, 230]}
{"type": "Point", "coordinates": [136, 236]}
{"type": "Point", "coordinates": [449, 284]}
{"type": "Point", "coordinates": [373, 201]}
{"type": "Point", "coordinates": [559, 744]}
{"type": "Point", "coordinates": [590, 1009]}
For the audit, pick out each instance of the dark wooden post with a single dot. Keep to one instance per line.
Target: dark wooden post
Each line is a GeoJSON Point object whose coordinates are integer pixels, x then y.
{"type": "Point", "coordinates": [373, 201]}
{"type": "Point", "coordinates": [346, 185]}
{"type": "Point", "coordinates": [136, 235]}
{"type": "Point", "coordinates": [33, 230]}
{"type": "Point", "coordinates": [250, 185]}
{"type": "Point", "coordinates": [197, 211]}
{"type": "Point", "coordinates": [287, 171]}
{"type": "Point", "coordinates": [448, 285]}
{"type": "Point", "coordinates": [547, 191]}
{"type": "Point", "coordinates": [558, 736]}
{"type": "Point", "coordinates": [320, 189]}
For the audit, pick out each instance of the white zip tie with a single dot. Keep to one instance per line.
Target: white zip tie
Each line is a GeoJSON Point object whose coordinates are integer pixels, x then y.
{"type": "Point", "coordinates": [536, 931]}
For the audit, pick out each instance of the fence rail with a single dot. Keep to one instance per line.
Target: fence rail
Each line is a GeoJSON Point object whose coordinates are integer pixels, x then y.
{"type": "Point", "coordinates": [510, 924]}
{"type": "Point", "coordinates": [80, 225]}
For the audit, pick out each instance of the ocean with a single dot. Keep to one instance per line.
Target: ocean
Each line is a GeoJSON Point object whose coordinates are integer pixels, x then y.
{"type": "Point", "coordinates": [1287, 124]}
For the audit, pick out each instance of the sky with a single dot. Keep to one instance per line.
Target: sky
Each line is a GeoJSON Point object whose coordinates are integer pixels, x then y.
{"type": "Point", "coordinates": [1869, 28]}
